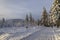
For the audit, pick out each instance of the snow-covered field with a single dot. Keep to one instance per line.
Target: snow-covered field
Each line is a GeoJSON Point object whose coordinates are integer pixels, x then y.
{"type": "Point", "coordinates": [16, 33]}
{"type": "Point", "coordinates": [44, 34]}
{"type": "Point", "coordinates": [31, 33]}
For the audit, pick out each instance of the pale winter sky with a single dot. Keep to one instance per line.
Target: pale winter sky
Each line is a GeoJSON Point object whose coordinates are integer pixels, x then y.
{"type": "Point", "coordinates": [18, 8]}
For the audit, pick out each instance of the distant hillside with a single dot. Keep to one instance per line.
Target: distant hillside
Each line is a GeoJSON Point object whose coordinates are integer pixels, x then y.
{"type": "Point", "coordinates": [13, 22]}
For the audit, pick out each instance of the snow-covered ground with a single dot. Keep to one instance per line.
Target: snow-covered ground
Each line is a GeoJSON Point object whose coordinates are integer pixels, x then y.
{"type": "Point", "coordinates": [57, 33]}
{"type": "Point", "coordinates": [31, 33]}
{"type": "Point", "coordinates": [44, 34]}
{"type": "Point", "coordinates": [17, 33]}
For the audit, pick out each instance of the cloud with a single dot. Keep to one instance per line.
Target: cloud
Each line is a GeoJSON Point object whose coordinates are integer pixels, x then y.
{"type": "Point", "coordinates": [19, 8]}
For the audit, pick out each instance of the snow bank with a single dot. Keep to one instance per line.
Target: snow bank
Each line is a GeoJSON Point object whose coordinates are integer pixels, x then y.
{"type": "Point", "coordinates": [43, 34]}
{"type": "Point", "coordinates": [17, 33]}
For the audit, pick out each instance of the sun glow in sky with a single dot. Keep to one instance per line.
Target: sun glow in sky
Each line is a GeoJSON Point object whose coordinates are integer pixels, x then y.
{"type": "Point", "coordinates": [19, 8]}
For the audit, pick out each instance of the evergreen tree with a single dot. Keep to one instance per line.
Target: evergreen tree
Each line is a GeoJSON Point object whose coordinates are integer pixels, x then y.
{"type": "Point", "coordinates": [44, 17]}
{"type": "Point", "coordinates": [3, 21]}
{"type": "Point", "coordinates": [31, 19]}
{"type": "Point", "coordinates": [38, 23]}
{"type": "Point", "coordinates": [27, 19]}
{"type": "Point", "coordinates": [58, 20]}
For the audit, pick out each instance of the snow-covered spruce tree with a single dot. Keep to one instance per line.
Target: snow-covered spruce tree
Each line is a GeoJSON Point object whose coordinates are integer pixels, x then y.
{"type": "Point", "coordinates": [31, 19]}
{"type": "Point", "coordinates": [27, 19]}
{"type": "Point", "coordinates": [55, 13]}
{"type": "Point", "coordinates": [3, 22]}
{"type": "Point", "coordinates": [44, 18]}
{"type": "Point", "coordinates": [58, 20]}
{"type": "Point", "coordinates": [38, 22]}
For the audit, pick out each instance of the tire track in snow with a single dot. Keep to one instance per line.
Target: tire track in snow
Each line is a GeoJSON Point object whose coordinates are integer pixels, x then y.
{"type": "Point", "coordinates": [17, 34]}
{"type": "Point", "coordinates": [32, 36]}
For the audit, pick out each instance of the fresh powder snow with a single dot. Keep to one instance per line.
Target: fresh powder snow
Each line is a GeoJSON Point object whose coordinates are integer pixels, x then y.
{"type": "Point", "coordinates": [31, 33]}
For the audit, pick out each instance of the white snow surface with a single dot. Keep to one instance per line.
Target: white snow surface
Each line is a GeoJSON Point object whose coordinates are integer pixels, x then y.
{"type": "Point", "coordinates": [43, 34]}
{"type": "Point", "coordinates": [17, 33]}
{"type": "Point", "coordinates": [31, 33]}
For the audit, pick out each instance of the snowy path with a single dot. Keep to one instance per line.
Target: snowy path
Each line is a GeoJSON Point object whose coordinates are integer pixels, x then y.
{"type": "Point", "coordinates": [17, 36]}
{"type": "Point", "coordinates": [44, 34]}
{"type": "Point", "coordinates": [17, 33]}
{"type": "Point", "coordinates": [57, 33]}
{"type": "Point", "coordinates": [34, 33]}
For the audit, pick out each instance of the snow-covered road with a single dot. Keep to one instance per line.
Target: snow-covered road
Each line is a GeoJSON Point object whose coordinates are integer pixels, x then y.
{"type": "Point", "coordinates": [32, 33]}
{"type": "Point", "coordinates": [44, 34]}
{"type": "Point", "coordinates": [17, 33]}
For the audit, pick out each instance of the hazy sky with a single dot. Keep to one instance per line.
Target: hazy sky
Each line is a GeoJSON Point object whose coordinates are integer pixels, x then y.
{"type": "Point", "coordinates": [19, 8]}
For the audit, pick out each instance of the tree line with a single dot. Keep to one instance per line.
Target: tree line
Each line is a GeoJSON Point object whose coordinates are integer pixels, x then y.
{"type": "Point", "coordinates": [29, 20]}
{"type": "Point", "coordinates": [43, 21]}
